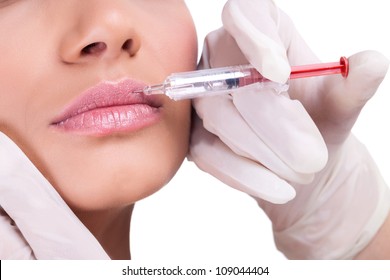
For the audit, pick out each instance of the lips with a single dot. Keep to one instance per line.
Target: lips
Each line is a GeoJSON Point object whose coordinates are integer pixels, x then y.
{"type": "Point", "coordinates": [108, 108]}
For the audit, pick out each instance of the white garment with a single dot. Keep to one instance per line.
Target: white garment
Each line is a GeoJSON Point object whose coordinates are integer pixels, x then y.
{"type": "Point", "coordinates": [35, 222]}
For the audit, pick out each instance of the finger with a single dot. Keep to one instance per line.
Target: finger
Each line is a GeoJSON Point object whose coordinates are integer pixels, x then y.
{"type": "Point", "coordinates": [214, 157]}
{"type": "Point", "coordinates": [254, 26]}
{"type": "Point", "coordinates": [268, 128]}
{"type": "Point", "coordinates": [284, 126]}
{"type": "Point", "coordinates": [221, 118]}
{"type": "Point", "coordinates": [220, 49]}
{"type": "Point", "coordinates": [343, 99]}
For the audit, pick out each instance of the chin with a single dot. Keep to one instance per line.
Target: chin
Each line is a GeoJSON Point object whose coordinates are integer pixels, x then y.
{"type": "Point", "coordinates": [121, 182]}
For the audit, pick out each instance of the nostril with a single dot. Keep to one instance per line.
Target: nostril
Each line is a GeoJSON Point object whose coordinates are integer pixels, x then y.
{"type": "Point", "coordinates": [94, 48]}
{"type": "Point", "coordinates": [128, 47]}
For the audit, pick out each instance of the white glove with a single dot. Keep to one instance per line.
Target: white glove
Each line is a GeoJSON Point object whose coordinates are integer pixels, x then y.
{"type": "Point", "coordinates": [263, 143]}
{"type": "Point", "coordinates": [35, 223]}
{"type": "Point", "coordinates": [260, 127]}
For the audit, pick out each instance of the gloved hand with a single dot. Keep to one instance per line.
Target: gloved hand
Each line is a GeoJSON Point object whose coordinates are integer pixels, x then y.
{"type": "Point", "coordinates": [268, 145]}
{"type": "Point", "coordinates": [35, 223]}
{"type": "Point", "coordinates": [264, 139]}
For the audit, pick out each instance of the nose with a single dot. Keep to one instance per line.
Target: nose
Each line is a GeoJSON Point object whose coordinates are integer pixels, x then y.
{"type": "Point", "coordinates": [101, 30]}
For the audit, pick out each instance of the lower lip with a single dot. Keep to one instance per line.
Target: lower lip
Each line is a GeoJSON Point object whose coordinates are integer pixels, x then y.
{"type": "Point", "coordinates": [111, 120]}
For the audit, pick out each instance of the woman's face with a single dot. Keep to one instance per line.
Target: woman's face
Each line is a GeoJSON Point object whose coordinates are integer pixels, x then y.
{"type": "Point", "coordinates": [68, 72]}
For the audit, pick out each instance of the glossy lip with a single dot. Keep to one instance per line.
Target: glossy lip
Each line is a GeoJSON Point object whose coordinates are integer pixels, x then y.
{"type": "Point", "coordinates": [108, 108]}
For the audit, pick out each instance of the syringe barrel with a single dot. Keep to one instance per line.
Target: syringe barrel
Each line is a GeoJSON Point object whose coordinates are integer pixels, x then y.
{"type": "Point", "coordinates": [211, 81]}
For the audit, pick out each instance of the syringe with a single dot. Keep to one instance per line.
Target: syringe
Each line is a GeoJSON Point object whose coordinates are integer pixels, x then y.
{"type": "Point", "coordinates": [215, 81]}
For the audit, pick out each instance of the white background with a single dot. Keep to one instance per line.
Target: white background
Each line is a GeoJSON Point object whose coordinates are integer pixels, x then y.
{"type": "Point", "coordinates": [197, 219]}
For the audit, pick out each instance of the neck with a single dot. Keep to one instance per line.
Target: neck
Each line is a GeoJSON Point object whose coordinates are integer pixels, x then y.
{"type": "Point", "coordinates": [111, 228]}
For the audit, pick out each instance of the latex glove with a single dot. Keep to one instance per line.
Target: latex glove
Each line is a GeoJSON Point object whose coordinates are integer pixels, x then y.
{"type": "Point", "coordinates": [337, 211]}
{"type": "Point", "coordinates": [35, 223]}
{"type": "Point", "coordinates": [264, 139]}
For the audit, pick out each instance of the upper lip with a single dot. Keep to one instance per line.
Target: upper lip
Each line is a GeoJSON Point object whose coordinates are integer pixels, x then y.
{"type": "Point", "coordinates": [107, 94]}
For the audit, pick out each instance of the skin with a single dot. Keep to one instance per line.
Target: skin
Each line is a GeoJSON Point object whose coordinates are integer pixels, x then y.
{"type": "Point", "coordinates": [379, 247]}
{"type": "Point", "coordinates": [52, 54]}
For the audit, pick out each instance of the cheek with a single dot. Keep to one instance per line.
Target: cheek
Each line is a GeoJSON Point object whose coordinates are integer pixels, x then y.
{"type": "Point", "coordinates": [182, 48]}
{"type": "Point", "coordinates": [25, 68]}
{"type": "Point", "coordinates": [175, 44]}
{"type": "Point", "coordinates": [12, 90]}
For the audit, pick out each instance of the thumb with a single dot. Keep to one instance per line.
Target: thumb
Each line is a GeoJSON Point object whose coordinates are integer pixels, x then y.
{"type": "Point", "coordinates": [367, 71]}
{"type": "Point", "coordinates": [345, 98]}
